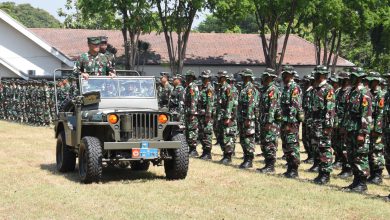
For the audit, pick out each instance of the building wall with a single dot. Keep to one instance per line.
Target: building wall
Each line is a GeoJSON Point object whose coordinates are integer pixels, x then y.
{"type": "Point", "coordinates": [5, 72]}
{"type": "Point", "coordinates": [22, 53]}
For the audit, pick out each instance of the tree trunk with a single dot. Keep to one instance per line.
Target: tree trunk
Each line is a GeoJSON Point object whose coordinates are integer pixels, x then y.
{"type": "Point", "coordinates": [331, 52]}
{"type": "Point", "coordinates": [336, 56]}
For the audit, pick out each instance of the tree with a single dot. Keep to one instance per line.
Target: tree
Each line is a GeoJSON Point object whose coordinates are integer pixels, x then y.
{"type": "Point", "coordinates": [29, 16]}
{"type": "Point", "coordinates": [246, 25]}
{"type": "Point", "coordinates": [275, 17]}
{"type": "Point", "coordinates": [176, 18]}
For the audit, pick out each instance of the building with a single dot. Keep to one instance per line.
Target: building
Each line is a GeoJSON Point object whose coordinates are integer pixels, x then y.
{"type": "Point", "coordinates": [40, 51]}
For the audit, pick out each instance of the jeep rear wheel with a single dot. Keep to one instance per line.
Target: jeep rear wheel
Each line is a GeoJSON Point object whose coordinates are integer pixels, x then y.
{"type": "Point", "coordinates": [177, 167]}
{"type": "Point", "coordinates": [65, 158]}
{"type": "Point", "coordinates": [90, 160]}
{"type": "Point", "coordinates": [138, 166]}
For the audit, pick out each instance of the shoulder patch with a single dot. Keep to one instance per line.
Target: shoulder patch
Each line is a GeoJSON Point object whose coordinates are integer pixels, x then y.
{"type": "Point", "coordinates": [330, 95]}
{"type": "Point", "coordinates": [192, 92]}
{"type": "Point", "coordinates": [210, 93]}
{"type": "Point", "coordinates": [249, 92]}
{"type": "Point", "coordinates": [295, 92]}
{"type": "Point", "coordinates": [364, 101]}
{"type": "Point", "coordinates": [382, 103]}
{"type": "Point", "coordinates": [271, 94]}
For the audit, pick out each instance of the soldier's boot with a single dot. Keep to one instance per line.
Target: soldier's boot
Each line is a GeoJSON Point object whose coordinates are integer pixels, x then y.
{"type": "Point", "coordinates": [353, 184]}
{"type": "Point", "coordinates": [375, 177]}
{"type": "Point", "coordinates": [316, 166]}
{"type": "Point", "coordinates": [206, 155]}
{"type": "Point", "coordinates": [193, 152]}
{"type": "Point", "coordinates": [345, 173]}
{"type": "Point", "coordinates": [292, 172]}
{"type": "Point", "coordinates": [361, 185]}
{"type": "Point", "coordinates": [269, 166]}
{"type": "Point", "coordinates": [247, 162]}
{"type": "Point", "coordinates": [322, 178]}
{"type": "Point", "coordinates": [227, 158]}
{"type": "Point", "coordinates": [309, 160]}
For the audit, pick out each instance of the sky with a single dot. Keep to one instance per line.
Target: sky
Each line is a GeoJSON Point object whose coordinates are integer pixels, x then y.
{"type": "Point", "coordinates": [53, 5]}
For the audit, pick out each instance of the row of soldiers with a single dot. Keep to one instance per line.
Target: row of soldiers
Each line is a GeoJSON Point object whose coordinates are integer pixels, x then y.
{"type": "Point", "coordinates": [33, 101]}
{"type": "Point", "coordinates": [348, 122]}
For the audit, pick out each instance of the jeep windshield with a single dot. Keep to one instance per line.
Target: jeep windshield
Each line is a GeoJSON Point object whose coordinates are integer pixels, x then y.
{"type": "Point", "coordinates": [120, 87]}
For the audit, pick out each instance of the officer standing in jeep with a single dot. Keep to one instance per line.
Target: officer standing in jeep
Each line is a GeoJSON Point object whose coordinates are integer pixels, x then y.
{"type": "Point", "coordinates": [93, 62]}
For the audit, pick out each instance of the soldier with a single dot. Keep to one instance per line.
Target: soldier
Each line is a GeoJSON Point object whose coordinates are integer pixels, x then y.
{"type": "Point", "coordinates": [386, 124]}
{"type": "Point", "coordinates": [191, 112]}
{"type": "Point", "coordinates": [226, 117]}
{"type": "Point", "coordinates": [164, 90]}
{"type": "Point", "coordinates": [323, 112]}
{"type": "Point", "coordinates": [269, 119]}
{"type": "Point", "coordinates": [234, 92]}
{"type": "Point", "coordinates": [247, 102]}
{"type": "Point", "coordinates": [340, 133]}
{"type": "Point", "coordinates": [205, 111]}
{"type": "Point", "coordinates": [376, 158]}
{"type": "Point", "coordinates": [358, 120]}
{"type": "Point", "coordinates": [93, 62]}
{"type": "Point", "coordinates": [306, 125]}
{"type": "Point", "coordinates": [108, 53]}
{"type": "Point", "coordinates": [292, 115]}
{"type": "Point", "coordinates": [176, 101]}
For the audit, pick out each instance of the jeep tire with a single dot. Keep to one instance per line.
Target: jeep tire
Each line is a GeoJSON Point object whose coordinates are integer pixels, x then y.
{"type": "Point", "coordinates": [90, 160]}
{"type": "Point", "coordinates": [65, 158]}
{"type": "Point", "coordinates": [177, 167]}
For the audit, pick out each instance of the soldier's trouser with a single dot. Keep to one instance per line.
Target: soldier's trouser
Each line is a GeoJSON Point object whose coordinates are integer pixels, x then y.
{"type": "Point", "coordinates": [268, 138]}
{"type": "Point", "coordinates": [227, 136]}
{"type": "Point", "coordinates": [376, 158]}
{"type": "Point", "coordinates": [322, 145]}
{"type": "Point", "coordinates": [386, 142]}
{"type": "Point", "coordinates": [247, 137]}
{"type": "Point", "coordinates": [306, 139]}
{"type": "Point", "coordinates": [290, 143]}
{"type": "Point", "coordinates": [192, 131]}
{"type": "Point", "coordinates": [358, 154]}
{"type": "Point", "coordinates": [205, 132]}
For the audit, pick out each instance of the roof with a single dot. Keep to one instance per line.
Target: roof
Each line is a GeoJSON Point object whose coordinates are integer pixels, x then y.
{"type": "Point", "coordinates": [13, 69]}
{"type": "Point", "coordinates": [203, 48]}
{"type": "Point", "coordinates": [27, 33]}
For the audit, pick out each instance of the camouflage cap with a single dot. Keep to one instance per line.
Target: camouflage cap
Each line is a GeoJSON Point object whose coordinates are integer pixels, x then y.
{"type": "Point", "coordinates": [269, 72]}
{"type": "Point", "coordinates": [343, 75]}
{"type": "Point", "coordinates": [323, 70]}
{"type": "Point", "coordinates": [177, 76]}
{"type": "Point", "coordinates": [190, 73]}
{"type": "Point", "coordinates": [288, 69]}
{"type": "Point", "coordinates": [247, 72]}
{"type": "Point", "coordinates": [296, 76]}
{"type": "Point", "coordinates": [205, 74]}
{"type": "Point", "coordinates": [231, 77]}
{"type": "Point", "coordinates": [386, 75]}
{"type": "Point", "coordinates": [222, 73]}
{"type": "Point", "coordinates": [374, 76]}
{"type": "Point", "coordinates": [358, 72]}
{"type": "Point", "coordinates": [333, 78]}
{"type": "Point", "coordinates": [164, 74]}
{"type": "Point", "coordinates": [94, 40]}
{"type": "Point", "coordinates": [103, 39]}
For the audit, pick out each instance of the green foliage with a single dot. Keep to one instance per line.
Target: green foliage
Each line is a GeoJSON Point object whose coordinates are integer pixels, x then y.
{"type": "Point", "coordinates": [246, 25]}
{"type": "Point", "coordinates": [29, 16]}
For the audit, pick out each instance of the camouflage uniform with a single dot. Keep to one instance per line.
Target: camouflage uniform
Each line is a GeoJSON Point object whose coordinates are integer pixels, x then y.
{"type": "Point", "coordinates": [205, 111]}
{"type": "Point", "coordinates": [164, 93]}
{"type": "Point", "coordinates": [358, 120]}
{"type": "Point", "coordinates": [191, 111]}
{"type": "Point", "coordinates": [340, 134]}
{"type": "Point", "coordinates": [307, 123]}
{"type": "Point", "coordinates": [176, 102]}
{"type": "Point", "coordinates": [376, 158]}
{"type": "Point", "coordinates": [292, 115]}
{"type": "Point", "coordinates": [226, 117]}
{"type": "Point", "coordinates": [235, 94]}
{"type": "Point", "coordinates": [269, 108]}
{"type": "Point", "coordinates": [247, 117]}
{"type": "Point", "coordinates": [323, 113]}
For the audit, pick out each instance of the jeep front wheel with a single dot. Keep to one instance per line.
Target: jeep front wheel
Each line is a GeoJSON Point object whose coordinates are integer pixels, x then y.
{"type": "Point", "coordinates": [177, 167]}
{"type": "Point", "coordinates": [65, 158]}
{"type": "Point", "coordinates": [90, 160]}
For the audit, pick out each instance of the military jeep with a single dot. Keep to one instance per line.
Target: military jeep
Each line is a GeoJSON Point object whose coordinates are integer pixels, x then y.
{"type": "Point", "coordinates": [117, 122]}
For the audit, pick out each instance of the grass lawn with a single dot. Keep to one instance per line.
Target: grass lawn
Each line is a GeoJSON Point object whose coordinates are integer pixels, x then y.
{"type": "Point", "coordinates": [30, 188]}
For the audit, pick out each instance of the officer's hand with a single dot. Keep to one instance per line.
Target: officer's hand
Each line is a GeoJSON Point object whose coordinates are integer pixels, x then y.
{"type": "Point", "coordinates": [85, 76]}
{"type": "Point", "coordinates": [112, 74]}
{"type": "Point", "coordinates": [227, 122]}
{"type": "Point", "coordinates": [361, 138]}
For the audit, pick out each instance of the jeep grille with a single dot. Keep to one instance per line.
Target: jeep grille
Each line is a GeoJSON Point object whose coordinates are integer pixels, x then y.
{"type": "Point", "coordinates": [139, 126]}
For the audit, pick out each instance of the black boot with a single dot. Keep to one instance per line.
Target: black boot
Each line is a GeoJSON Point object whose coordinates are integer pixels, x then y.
{"type": "Point", "coordinates": [345, 173]}
{"type": "Point", "coordinates": [292, 172]}
{"type": "Point", "coordinates": [322, 178]}
{"type": "Point", "coordinates": [227, 158]}
{"type": "Point", "coordinates": [247, 162]}
{"type": "Point", "coordinates": [315, 168]}
{"type": "Point", "coordinates": [375, 177]}
{"type": "Point", "coordinates": [361, 185]}
{"type": "Point", "coordinates": [206, 155]}
{"type": "Point", "coordinates": [309, 160]}
{"type": "Point", "coordinates": [193, 152]}
{"type": "Point", "coordinates": [353, 184]}
{"type": "Point", "coordinates": [269, 167]}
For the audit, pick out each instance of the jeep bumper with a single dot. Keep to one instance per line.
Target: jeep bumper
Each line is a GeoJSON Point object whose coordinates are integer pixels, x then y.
{"type": "Point", "coordinates": [152, 144]}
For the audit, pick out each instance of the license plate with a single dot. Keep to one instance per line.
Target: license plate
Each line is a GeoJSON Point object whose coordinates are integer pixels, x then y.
{"type": "Point", "coordinates": [144, 151]}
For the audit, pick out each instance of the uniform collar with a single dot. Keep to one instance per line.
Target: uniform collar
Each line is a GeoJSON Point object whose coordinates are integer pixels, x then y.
{"type": "Point", "coordinates": [322, 83]}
